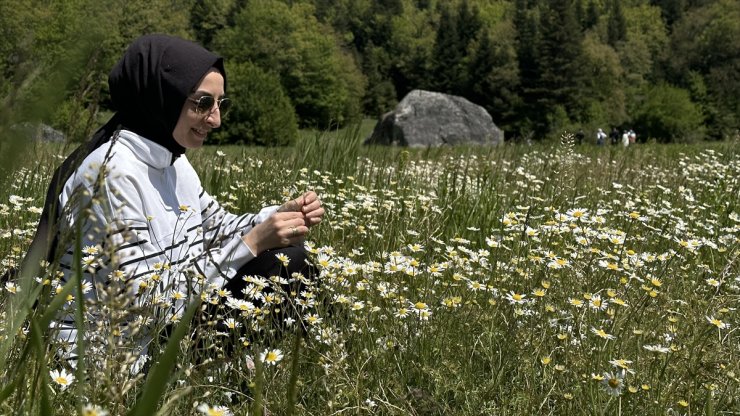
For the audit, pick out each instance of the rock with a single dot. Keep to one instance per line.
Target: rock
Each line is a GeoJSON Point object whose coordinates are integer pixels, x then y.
{"type": "Point", "coordinates": [425, 118]}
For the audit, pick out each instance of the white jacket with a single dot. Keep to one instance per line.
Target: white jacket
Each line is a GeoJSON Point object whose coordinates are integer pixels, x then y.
{"type": "Point", "coordinates": [151, 223]}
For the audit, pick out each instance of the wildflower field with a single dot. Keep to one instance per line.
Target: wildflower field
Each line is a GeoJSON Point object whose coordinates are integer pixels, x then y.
{"type": "Point", "coordinates": [516, 280]}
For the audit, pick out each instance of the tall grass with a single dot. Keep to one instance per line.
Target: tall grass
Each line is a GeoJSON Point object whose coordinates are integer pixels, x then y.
{"type": "Point", "coordinates": [544, 279]}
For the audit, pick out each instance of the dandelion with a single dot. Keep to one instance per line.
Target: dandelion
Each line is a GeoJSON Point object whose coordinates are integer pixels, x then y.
{"type": "Point", "coordinates": [271, 357]}
{"type": "Point", "coordinates": [214, 411]}
{"type": "Point", "coordinates": [718, 323]}
{"type": "Point", "coordinates": [62, 378]}
{"type": "Point", "coordinates": [613, 383]}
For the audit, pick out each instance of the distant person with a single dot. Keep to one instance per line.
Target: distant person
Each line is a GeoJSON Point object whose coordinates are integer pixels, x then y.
{"type": "Point", "coordinates": [580, 136]}
{"type": "Point", "coordinates": [626, 138]}
{"type": "Point", "coordinates": [600, 137]}
{"type": "Point", "coordinates": [632, 136]}
{"type": "Point", "coordinates": [614, 136]}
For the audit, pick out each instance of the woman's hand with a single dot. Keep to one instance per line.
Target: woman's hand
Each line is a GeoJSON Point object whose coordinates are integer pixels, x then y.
{"type": "Point", "coordinates": [281, 229]}
{"type": "Point", "coordinates": [309, 205]}
{"type": "Point", "coordinates": [288, 226]}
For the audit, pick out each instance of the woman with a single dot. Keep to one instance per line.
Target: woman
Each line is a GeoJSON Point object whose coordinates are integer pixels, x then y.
{"type": "Point", "coordinates": [135, 206]}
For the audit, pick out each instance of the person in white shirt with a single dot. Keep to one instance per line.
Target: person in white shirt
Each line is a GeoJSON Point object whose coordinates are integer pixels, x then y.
{"type": "Point", "coordinates": [134, 204]}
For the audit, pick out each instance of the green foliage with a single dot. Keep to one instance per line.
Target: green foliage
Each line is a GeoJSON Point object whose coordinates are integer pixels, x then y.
{"type": "Point", "coordinates": [706, 42]}
{"type": "Point", "coordinates": [667, 114]}
{"type": "Point", "coordinates": [605, 101]}
{"type": "Point", "coordinates": [208, 17]}
{"type": "Point", "coordinates": [322, 81]}
{"type": "Point", "coordinates": [262, 113]}
{"type": "Point", "coordinates": [338, 60]}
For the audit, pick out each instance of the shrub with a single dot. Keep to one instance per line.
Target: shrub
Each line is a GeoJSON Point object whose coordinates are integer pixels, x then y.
{"type": "Point", "coordinates": [261, 114]}
{"type": "Point", "coordinates": [666, 113]}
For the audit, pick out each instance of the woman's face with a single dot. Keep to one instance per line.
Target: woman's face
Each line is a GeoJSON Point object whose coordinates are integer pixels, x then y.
{"type": "Point", "coordinates": [192, 127]}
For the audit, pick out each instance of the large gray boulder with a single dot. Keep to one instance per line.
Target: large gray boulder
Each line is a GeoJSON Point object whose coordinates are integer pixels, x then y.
{"type": "Point", "coordinates": [425, 118]}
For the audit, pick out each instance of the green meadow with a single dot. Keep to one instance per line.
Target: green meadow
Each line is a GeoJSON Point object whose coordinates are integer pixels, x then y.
{"type": "Point", "coordinates": [544, 279]}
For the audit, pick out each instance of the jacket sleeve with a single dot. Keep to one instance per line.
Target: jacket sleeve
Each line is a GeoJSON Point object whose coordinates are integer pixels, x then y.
{"type": "Point", "coordinates": [166, 269]}
{"type": "Point", "coordinates": [221, 226]}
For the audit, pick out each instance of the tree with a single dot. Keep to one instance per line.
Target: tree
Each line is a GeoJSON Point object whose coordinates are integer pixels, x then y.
{"type": "Point", "coordinates": [208, 17]}
{"type": "Point", "coordinates": [592, 15]}
{"type": "Point", "coordinates": [605, 101]}
{"type": "Point", "coordinates": [667, 114]}
{"type": "Point", "coordinates": [448, 54]}
{"type": "Point", "coordinates": [561, 74]}
{"type": "Point", "coordinates": [616, 24]}
{"type": "Point", "coordinates": [528, 38]}
{"type": "Point", "coordinates": [262, 113]}
{"type": "Point", "coordinates": [705, 58]}
{"type": "Point", "coordinates": [323, 82]}
{"type": "Point", "coordinates": [671, 10]}
{"type": "Point", "coordinates": [494, 76]}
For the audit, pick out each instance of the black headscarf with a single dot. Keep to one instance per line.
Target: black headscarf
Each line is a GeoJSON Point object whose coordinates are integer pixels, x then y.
{"type": "Point", "coordinates": [148, 87]}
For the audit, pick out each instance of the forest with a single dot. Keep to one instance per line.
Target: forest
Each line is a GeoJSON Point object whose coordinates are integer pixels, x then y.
{"type": "Point", "coordinates": [669, 69]}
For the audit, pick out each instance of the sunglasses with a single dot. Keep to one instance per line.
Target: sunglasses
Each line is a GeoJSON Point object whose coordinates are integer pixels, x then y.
{"type": "Point", "coordinates": [204, 105]}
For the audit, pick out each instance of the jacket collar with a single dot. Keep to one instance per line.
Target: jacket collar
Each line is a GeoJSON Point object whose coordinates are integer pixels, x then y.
{"type": "Point", "coordinates": [149, 152]}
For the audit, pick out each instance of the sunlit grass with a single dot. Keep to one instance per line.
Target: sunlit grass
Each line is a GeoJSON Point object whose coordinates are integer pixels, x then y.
{"type": "Point", "coordinates": [511, 280]}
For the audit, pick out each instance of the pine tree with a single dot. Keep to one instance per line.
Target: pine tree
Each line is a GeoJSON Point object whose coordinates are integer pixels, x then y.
{"type": "Point", "coordinates": [528, 39]}
{"type": "Point", "coordinates": [592, 15]}
{"type": "Point", "coordinates": [616, 27]}
{"type": "Point", "coordinates": [561, 77]}
{"type": "Point", "coordinates": [448, 54]}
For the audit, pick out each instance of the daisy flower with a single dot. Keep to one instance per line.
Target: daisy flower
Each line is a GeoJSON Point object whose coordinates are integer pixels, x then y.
{"type": "Point", "coordinates": [602, 334]}
{"type": "Point", "coordinates": [514, 297]}
{"type": "Point", "coordinates": [718, 323]}
{"type": "Point", "coordinates": [93, 410]}
{"type": "Point", "coordinates": [271, 357]}
{"type": "Point", "coordinates": [62, 378]}
{"type": "Point", "coordinates": [613, 383]}
{"type": "Point", "coordinates": [214, 411]}
{"type": "Point", "coordinates": [283, 259]}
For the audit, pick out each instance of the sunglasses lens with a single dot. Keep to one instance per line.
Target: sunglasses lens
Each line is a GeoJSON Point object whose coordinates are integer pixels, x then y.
{"type": "Point", "coordinates": [224, 106]}
{"type": "Point", "coordinates": [205, 104]}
